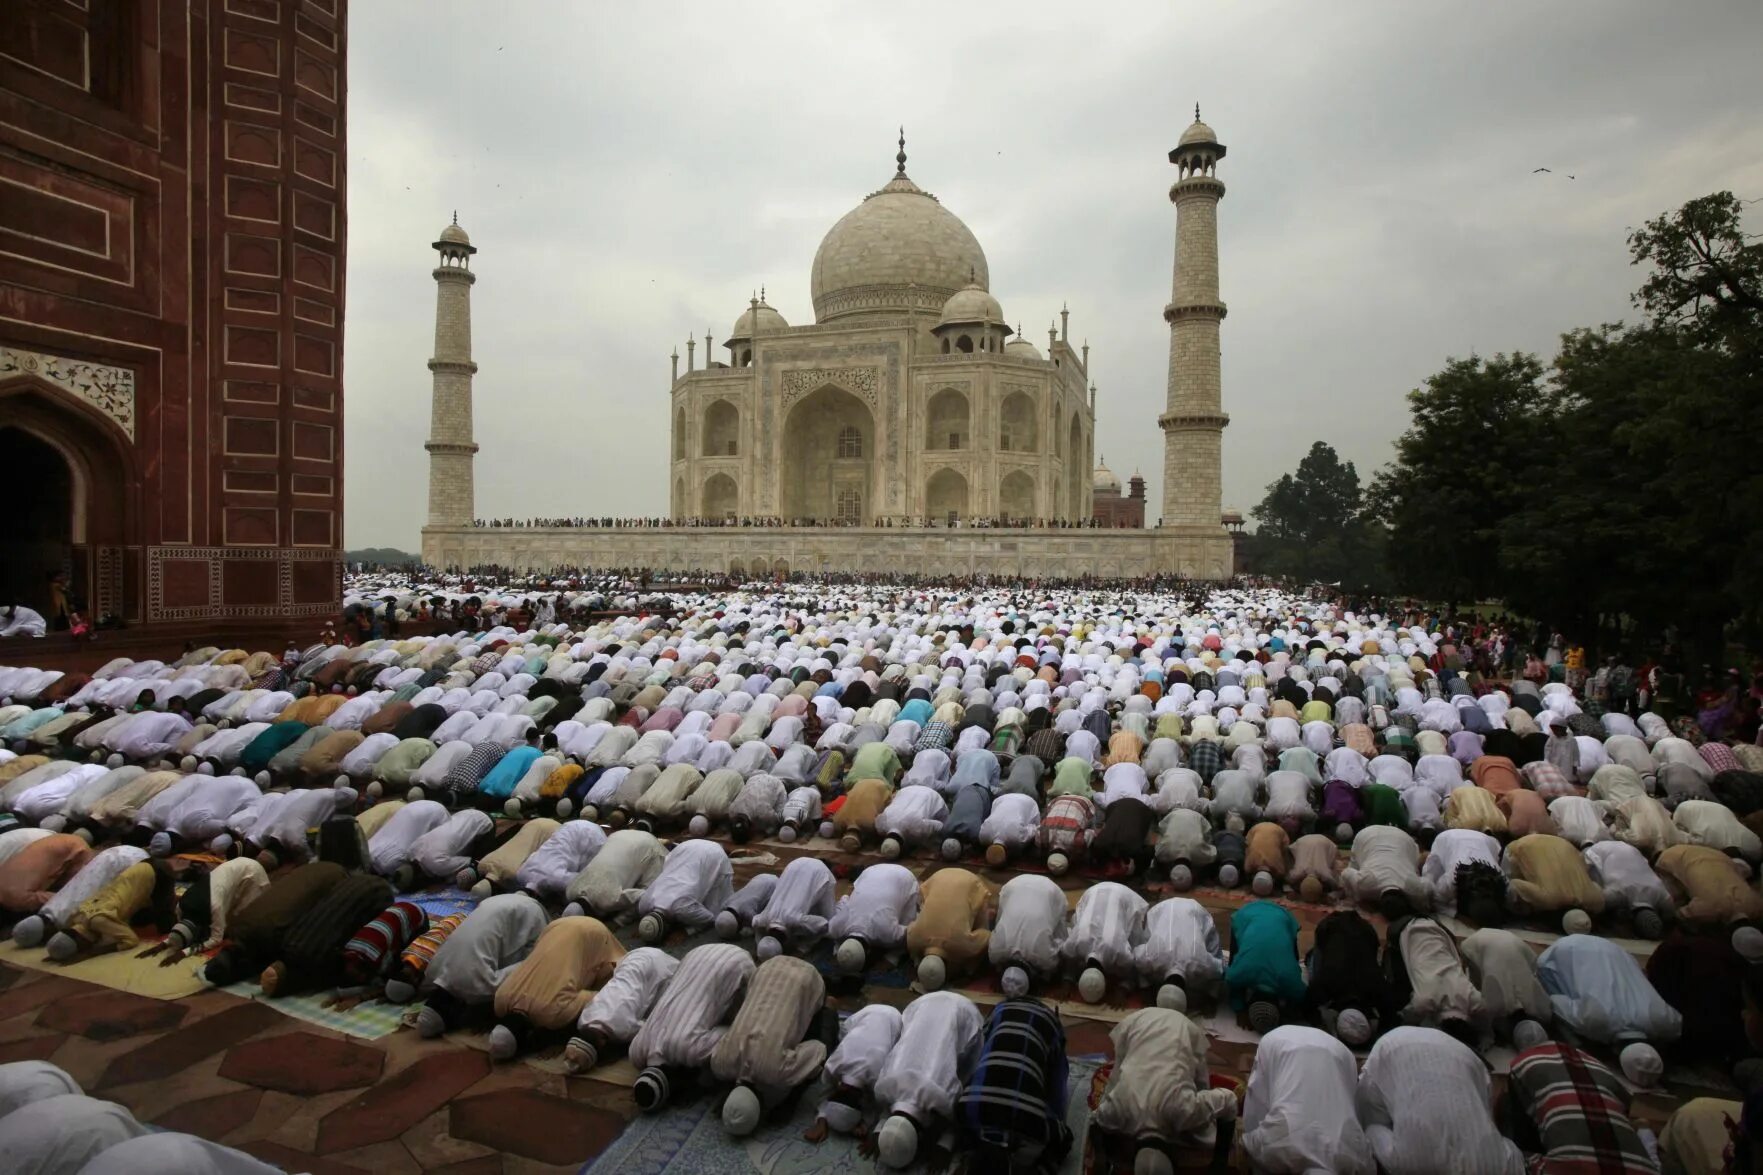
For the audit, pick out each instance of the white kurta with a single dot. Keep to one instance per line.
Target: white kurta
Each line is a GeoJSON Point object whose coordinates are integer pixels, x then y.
{"type": "Point", "coordinates": [1450, 850]}
{"type": "Point", "coordinates": [1030, 928]}
{"type": "Point", "coordinates": [390, 846]}
{"type": "Point", "coordinates": [915, 815]}
{"type": "Point", "coordinates": [97, 873]}
{"type": "Point", "coordinates": [924, 1072]}
{"type": "Point", "coordinates": [492, 941]}
{"type": "Point", "coordinates": [866, 1037]}
{"type": "Point", "coordinates": [882, 903]}
{"type": "Point", "coordinates": [1627, 880]}
{"type": "Point", "coordinates": [1012, 822]}
{"type": "Point", "coordinates": [447, 848]}
{"type": "Point", "coordinates": [1107, 926]}
{"type": "Point", "coordinates": [1601, 993]}
{"type": "Point", "coordinates": [1423, 1099]}
{"type": "Point", "coordinates": [694, 883]}
{"type": "Point", "coordinates": [554, 864]}
{"type": "Point", "coordinates": [1298, 1115]}
{"type": "Point", "coordinates": [690, 1018]}
{"type": "Point", "coordinates": [637, 982]}
{"type": "Point", "coordinates": [802, 904]}
{"type": "Point", "coordinates": [1181, 938]}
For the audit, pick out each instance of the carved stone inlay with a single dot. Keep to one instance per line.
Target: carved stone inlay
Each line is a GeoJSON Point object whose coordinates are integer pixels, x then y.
{"type": "Point", "coordinates": [111, 390]}
{"type": "Point", "coordinates": [862, 382]}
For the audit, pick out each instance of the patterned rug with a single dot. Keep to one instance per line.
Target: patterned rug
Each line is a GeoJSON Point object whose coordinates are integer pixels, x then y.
{"type": "Point", "coordinates": [689, 1140]}
{"type": "Point", "coordinates": [366, 1021]}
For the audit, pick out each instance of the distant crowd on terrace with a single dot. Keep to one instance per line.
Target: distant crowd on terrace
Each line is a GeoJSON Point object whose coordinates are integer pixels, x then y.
{"type": "Point", "coordinates": [996, 522]}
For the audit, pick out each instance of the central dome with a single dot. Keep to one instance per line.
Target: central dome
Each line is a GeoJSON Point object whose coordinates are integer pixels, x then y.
{"type": "Point", "coordinates": [897, 239]}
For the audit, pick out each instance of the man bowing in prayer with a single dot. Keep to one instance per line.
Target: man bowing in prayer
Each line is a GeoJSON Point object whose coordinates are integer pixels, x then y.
{"type": "Point", "coordinates": [1424, 1102]}
{"type": "Point", "coordinates": [1012, 1114]}
{"type": "Point", "coordinates": [923, 1075]}
{"type": "Point", "coordinates": [1159, 1098]}
{"type": "Point", "coordinates": [769, 1051]}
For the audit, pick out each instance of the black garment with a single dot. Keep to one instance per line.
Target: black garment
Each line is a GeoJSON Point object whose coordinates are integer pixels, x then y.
{"type": "Point", "coordinates": [980, 715]}
{"type": "Point", "coordinates": [1504, 743]}
{"type": "Point", "coordinates": [1229, 845]}
{"type": "Point", "coordinates": [1125, 827]}
{"type": "Point", "coordinates": [312, 949]}
{"type": "Point", "coordinates": [1531, 748]}
{"type": "Point", "coordinates": [420, 722]}
{"type": "Point", "coordinates": [1481, 893]}
{"type": "Point", "coordinates": [566, 708]}
{"type": "Point", "coordinates": [1344, 970]}
{"type": "Point", "coordinates": [1742, 791]}
{"type": "Point", "coordinates": [1096, 722]}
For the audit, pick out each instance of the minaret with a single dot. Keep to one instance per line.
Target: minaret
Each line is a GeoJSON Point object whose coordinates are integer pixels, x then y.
{"type": "Point", "coordinates": [451, 500]}
{"type": "Point", "coordinates": [1193, 425]}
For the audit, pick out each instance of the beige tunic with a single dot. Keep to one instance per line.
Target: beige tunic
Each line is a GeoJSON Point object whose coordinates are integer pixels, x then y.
{"type": "Point", "coordinates": [573, 957]}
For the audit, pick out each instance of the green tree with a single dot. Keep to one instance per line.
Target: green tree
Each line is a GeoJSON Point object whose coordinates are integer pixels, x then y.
{"type": "Point", "coordinates": [1310, 523]}
{"type": "Point", "coordinates": [1478, 428]}
{"type": "Point", "coordinates": [1707, 272]}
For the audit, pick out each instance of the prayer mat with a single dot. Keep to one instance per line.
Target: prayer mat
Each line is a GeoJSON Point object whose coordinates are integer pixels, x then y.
{"type": "Point", "coordinates": [368, 1020]}
{"type": "Point", "coordinates": [118, 970]}
{"type": "Point", "coordinates": [689, 1138]}
{"type": "Point", "coordinates": [441, 903]}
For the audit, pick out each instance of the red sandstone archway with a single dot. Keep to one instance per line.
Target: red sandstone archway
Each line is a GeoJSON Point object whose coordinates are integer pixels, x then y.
{"type": "Point", "coordinates": [93, 510]}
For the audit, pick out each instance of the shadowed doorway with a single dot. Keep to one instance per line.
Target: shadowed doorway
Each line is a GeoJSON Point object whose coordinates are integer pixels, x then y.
{"type": "Point", "coordinates": [38, 536]}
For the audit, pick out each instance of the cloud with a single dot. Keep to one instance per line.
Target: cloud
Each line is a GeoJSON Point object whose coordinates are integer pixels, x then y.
{"type": "Point", "coordinates": [631, 173]}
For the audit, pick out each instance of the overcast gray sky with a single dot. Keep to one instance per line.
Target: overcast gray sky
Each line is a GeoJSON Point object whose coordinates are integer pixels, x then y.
{"type": "Point", "coordinates": [630, 172]}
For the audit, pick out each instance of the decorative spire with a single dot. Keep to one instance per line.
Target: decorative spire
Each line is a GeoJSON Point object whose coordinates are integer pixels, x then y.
{"type": "Point", "coordinates": [456, 216]}
{"type": "Point", "coordinates": [900, 159]}
{"type": "Point", "coordinates": [1196, 112]}
{"type": "Point", "coordinates": [762, 293]}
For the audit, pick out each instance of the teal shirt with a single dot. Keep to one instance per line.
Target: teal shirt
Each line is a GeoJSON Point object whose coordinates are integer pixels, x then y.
{"type": "Point", "coordinates": [1264, 955]}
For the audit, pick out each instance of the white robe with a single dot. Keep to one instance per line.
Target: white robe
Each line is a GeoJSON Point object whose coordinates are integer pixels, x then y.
{"type": "Point", "coordinates": [637, 981]}
{"type": "Point", "coordinates": [1441, 987]}
{"type": "Point", "coordinates": [1031, 924]}
{"type": "Point", "coordinates": [1628, 882]}
{"type": "Point", "coordinates": [446, 849]}
{"type": "Point", "coordinates": [97, 873]}
{"type": "Point", "coordinates": [494, 939]}
{"type": "Point", "coordinates": [390, 847]}
{"type": "Point", "coordinates": [694, 883]}
{"type": "Point", "coordinates": [691, 1017]}
{"type": "Point", "coordinates": [1451, 849]}
{"type": "Point", "coordinates": [550, 868]}
{"type": "Point", "coordinates": [1107, 926]}
{"type": "Point", "coordinates": [925, 1070]}
{"type": "Point", "coordinates": [1601, 993]}
{"type": "Point", "coordinates": [1424, 1101]}
{"type": "Point", "coordinates": [1181, 938]}
{"type": "Point", "coordinates": [915, 815]}
{"type": "Point", "coordinates": [1298, 1115]}
{"type": "Point", "coordinates": [802, 904]}
{"type": "Point", "coordinates": [866, 1037]}
{"type": "Point", "coordinates": [614, 880]}
{"type": "Point", "coordinates": [1013, 821]}
{"type": "Point", "coordinates": [882, 903]}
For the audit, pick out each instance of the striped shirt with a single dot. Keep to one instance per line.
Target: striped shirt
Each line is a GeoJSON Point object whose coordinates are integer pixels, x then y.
{"type": "Point", "coordinates": [686, 1024]}
{"type": "Point", "coordinates": [1068, 825]}
{"type": "Point", "coordinates": [1579, 1110]}
{"type": "Point", "coordinates": [617, 1010]}
{"type": "Point", "coordinates": [764, 1044]}
{"type": "Point", "coordinates": [1015, 1100]}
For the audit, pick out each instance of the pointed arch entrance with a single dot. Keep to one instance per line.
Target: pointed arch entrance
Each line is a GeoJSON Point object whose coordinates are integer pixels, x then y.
{"type": "Point", "coordinates": [828, 453]}
{"type": "Point", "coordinates": [72, 483]}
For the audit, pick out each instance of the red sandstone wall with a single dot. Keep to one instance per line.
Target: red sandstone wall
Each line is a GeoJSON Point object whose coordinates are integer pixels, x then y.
{"type": "Point", "coordinates": [172, 215]}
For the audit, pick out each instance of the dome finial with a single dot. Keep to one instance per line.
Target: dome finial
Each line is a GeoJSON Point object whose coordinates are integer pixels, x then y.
{"type": "Point", "coordinates": [762, 293]}
{"type": "Point", "coordinates": [1196, 112]}
{"type": "Point", "coordinates": [900, 159]}
{"type": "Point", "coordinates": [456, 216]}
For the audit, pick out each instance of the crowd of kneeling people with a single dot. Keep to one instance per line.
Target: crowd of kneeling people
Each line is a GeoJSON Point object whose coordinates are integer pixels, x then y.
{"type": "Point", "coordinates": [1261, 741]}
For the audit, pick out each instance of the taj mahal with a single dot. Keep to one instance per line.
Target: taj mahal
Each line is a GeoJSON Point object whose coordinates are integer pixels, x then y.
{"type": "Point", "coordinates": [880, 436]}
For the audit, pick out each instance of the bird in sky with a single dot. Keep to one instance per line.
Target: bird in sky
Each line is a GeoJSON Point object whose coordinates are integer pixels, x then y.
{"type": "Point", "coordinates": [1534, 170]}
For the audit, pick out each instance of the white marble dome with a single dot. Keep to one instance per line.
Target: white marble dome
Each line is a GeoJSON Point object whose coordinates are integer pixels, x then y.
{"type": "Point", "coordinates": [1198, 133]}
{"type": "Point", "coordinates": [971, 304]}
{"type": "Point", "coordinates": [899, 244]}
{"type": "Point", "coordinates": [1021, 348]}
{"type": "Point", "coordinates": [768, 320]}
{"type": "Point", "coordinates": [1104, 481]}
{"type": "Point", "coordinates": [454, 235]}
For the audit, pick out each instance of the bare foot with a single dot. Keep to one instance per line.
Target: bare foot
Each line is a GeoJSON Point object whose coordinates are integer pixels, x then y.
{"type": "Point", "coordinates": [817, 1132]}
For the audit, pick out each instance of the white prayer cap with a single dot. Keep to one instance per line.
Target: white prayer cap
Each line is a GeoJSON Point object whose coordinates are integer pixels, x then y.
{"type": "Point", "coordinates": [740, 1111]}
{"type": "Point", "coordinates": [932, 972]}
{"type": "Point", "coordinates": [1014, 982]}
{"type": "Point", "coordinates": [897, 1142]}
{"type": "Point", "coordinates": [1181, 877]}
{"type": "Point", "coordinates": [850, 956]}
{"type": "Point", "coordinates": [769, 948]}
{"type": "Point", "coordinates": [1172, 997]}
{"type": "Point", "coordinates": [890, 848]}
{"type": "Point", "coordinates": [1057, 863]}
{"type": "Point", "coordinates": [1641, 1064]}
{"type": "Point", "coordinates": [1527, 1034]}
{"type": "Point", "coordinates": [651, 928]}
{"type": "Point", "coordinates": [1228, 875]}
{"type": "Point", "coordinates": [1576, 921]}
{"type": "Point", "coordinates": [1263, 884]}
{"type": "Point", "coordinates": [952, 848]}
{"type": "Point", "coordinates": [1092, 985]}
{"type": "Point", "coordinates": [699, 825]}
{"type": "Point", "coordinates": [1150, 1161]}
{"type": "Point", "coordinates": [727, 925]}
{"type": "Point", "coordinates": [503, 1046]}
{"type": "Point", "coordinates": [1748, 942]}
{"type": "Point", "coordinates": [1353, 1027]}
